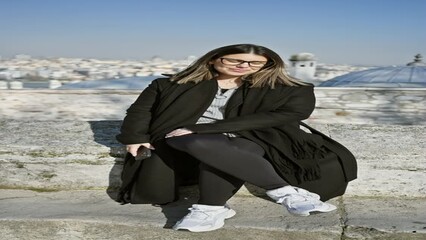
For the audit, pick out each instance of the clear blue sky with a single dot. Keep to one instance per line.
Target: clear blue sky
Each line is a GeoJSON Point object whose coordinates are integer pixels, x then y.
{"type": "Point", "coordinates": [378, 32]}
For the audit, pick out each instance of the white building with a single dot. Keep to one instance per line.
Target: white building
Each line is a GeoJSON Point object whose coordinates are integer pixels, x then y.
{"type": "Point", "coordinates": [302, 66]}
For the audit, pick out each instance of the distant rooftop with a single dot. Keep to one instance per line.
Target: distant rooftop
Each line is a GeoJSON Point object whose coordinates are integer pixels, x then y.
{"type": "Point", "coordinates": [302, 57]}
{"type": "Point", "coordinates": [411, 75]}
{"type": "Point", "coordinates": [418, 61]}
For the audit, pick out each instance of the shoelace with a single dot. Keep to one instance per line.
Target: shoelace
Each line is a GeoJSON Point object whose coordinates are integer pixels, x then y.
{"type": "Point", "coordinates": [308, 194]}
{"type": "Point", "coordinates": [293, 196]}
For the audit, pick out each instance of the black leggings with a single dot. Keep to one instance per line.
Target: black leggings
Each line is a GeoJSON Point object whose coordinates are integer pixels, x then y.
{"type": "Point", "coordinates": [225, 164]}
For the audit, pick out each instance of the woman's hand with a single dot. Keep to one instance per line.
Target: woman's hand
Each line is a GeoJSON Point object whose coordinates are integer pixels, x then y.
{"type": "Point", "coordinates": [133, 148]}
{"type": "Point", "coordinates": [178, 132]}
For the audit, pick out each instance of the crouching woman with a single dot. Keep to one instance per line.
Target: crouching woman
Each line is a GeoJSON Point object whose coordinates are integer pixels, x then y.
{"type": "Point", "coordinates": [233, 116]}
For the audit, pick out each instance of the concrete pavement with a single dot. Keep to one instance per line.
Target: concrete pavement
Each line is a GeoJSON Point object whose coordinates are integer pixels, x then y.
{"type": "Point", "coordinates": [57, 180]}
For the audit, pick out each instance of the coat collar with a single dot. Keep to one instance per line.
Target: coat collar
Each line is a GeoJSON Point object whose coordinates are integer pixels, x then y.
{"type": "Point", "coordinates": [245, 97]}
{"type": "Point", "coordinates": [236, 99]}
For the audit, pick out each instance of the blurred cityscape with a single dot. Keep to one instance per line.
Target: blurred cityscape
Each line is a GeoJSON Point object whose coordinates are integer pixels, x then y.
{"type": "Point", "coordinates": [39, 88]}
{"type": "Point", "coordinates": [24, 71]}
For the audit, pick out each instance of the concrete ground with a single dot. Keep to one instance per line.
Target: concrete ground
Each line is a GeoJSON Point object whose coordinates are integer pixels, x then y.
{"type": "Point", "coordinates": [57, 181]}
{"type": "Point", "coordinates": [91, 214]}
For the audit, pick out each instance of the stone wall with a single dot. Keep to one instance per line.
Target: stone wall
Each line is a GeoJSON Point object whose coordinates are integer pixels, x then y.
{"type": "Point", "coordinates": [334, 105]}
{"type": "Point", "coordinates": [82, 155]}
{"type": "Point", "coordinates": [370, 105]}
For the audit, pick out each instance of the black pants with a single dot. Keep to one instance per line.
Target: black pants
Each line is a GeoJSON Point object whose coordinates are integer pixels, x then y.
{"type": "Point", "coordinates": [225, 164]}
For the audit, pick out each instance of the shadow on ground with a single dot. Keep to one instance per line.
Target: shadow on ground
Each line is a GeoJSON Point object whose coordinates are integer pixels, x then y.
{"type": "Point", "coordinates": [104, 133]}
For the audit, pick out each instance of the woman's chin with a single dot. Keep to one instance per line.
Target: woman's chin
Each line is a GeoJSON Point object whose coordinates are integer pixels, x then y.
{"type": "Point", "coordinates": [236, 74]}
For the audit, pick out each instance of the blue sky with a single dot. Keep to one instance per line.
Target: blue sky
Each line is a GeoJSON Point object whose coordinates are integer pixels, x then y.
{"type": "Point", "coordinates": [371, 32]}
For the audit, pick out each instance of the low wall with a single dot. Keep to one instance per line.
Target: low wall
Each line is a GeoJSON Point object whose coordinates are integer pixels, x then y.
{"type": "Point", "coordinates": [334, 105]}
{"type": "Point", "coordinates": [81, 155]}
{"type": "Point", "coordinates": [405, 106]}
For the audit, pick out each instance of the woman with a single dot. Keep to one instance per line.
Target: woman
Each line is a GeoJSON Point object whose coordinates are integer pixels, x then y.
{"type": "Point", "coordinates": [236, 112]}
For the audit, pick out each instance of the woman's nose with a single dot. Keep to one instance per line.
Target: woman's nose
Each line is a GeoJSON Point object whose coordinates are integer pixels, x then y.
{"type": "Point", "coordinates": [243, 65]}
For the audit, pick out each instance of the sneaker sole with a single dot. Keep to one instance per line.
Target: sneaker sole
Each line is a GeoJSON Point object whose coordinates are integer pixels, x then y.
{"type": "Point", "coordinates": [218, 224]}
{"type": "Point", "coordinates": [329, 208]}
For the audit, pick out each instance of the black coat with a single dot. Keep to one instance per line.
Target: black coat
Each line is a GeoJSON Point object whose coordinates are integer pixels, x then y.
{"type": "Point", "coordinates": [269, 117]}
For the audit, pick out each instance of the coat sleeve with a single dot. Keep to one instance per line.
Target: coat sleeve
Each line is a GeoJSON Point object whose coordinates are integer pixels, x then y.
{"type": "Point", "coordinates": [298, 107]}
{"type": "Point", "coordinates": [135, 127]}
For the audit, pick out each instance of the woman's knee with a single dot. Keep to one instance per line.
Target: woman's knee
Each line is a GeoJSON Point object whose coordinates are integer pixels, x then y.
{"type": "Point", "coordinates": [248, 145]}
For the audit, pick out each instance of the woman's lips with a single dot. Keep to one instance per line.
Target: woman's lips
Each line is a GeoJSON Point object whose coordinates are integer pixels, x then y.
{"type": "Point", "coordinates": [238, 70]}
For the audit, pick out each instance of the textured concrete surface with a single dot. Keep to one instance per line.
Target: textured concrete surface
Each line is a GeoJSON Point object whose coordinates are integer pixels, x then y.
{"type": "Point", "coordinates": [57, 181]}
{"type": "Point", "coordinates": [93, 215]}
{"type": "Point", "coordinates": [77, 213]}
{"type": "Point", "coordinates": [84, 155]}
{"type": "Point", "coordinates": [381, 217]}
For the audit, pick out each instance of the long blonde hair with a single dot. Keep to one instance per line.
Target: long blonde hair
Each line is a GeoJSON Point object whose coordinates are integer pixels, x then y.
{"type": "Point", "coordinates": [272, 73]}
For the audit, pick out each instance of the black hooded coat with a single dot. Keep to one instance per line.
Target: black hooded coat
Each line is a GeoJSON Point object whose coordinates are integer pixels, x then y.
{"type": "Point", "coordinates": [269, 117]}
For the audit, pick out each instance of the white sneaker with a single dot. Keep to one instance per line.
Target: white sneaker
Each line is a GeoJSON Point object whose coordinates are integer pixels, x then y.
{"type": "Point", "coordinates": [203, 218]}
{"type": "Point", "coordinates": [299, 201]}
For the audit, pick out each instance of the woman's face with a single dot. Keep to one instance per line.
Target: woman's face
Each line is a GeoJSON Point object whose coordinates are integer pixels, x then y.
{"type": "Point", "coordinates": [237, 65]}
